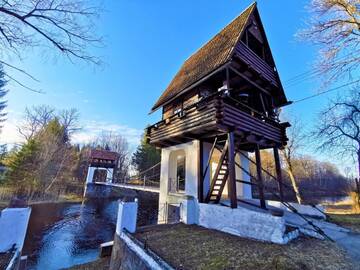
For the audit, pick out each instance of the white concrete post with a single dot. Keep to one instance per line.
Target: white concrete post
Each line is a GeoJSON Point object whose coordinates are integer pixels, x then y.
{"type": "Point", "coordinates": [207, 178]}
{"type": "Point", "coordinates": [127, 215]}
{"type": "Point", "coordinates": [243, 190]}
{"type": "Point", "coordinates": [109, 175]}
{"type": "Point", "coordinates": [188, 211]}
{"type": "Point", "coordinates": [90, 175]}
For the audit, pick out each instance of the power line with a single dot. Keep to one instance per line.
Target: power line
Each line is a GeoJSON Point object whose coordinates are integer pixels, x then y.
{"type": "Point", "coordinates": [327, 91]}
{"type": "Point", "coordinates": [311, 74]}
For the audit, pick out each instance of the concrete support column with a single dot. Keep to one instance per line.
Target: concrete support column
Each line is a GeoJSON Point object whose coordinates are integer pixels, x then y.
{"type": "Point", "coordinates": [109, 175]}
{"type": "Point", "coordinates": [126, 219]}
{"type": "Point", "coordinates": [243, 190]}
{"type": "Point", "coordinates": [90, 175]}
{"type": "Point", "coordinates": [207, 178]}
{"type": "Point", "coordinates": [127, 215]}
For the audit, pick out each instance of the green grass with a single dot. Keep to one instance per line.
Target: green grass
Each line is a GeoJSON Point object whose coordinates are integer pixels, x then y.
{"type": "Point", "coordinates": [193, 247]}
{"type": "Point", "coordinates": [351, 221]}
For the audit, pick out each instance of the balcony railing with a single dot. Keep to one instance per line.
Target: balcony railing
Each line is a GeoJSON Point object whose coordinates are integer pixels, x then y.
{"type": "Point", "coordinates": [213, 115]}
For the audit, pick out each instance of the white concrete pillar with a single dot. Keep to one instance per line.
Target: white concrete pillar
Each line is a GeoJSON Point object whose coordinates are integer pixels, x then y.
{"type": "Point", "coordinates": [207, 178]}
{"type": "Point", "coordinates": [109, 175]}
{"type": "Point", "coordinates": [188, 211]}
{"type": "Point", "coordinates": [243, 190]}
{"type": "Point", "coordinates": [127, 215]}
{"type": "Point", "coordinates": [164, 185]}
{"type": "Point", "coordinates": [90, 175]}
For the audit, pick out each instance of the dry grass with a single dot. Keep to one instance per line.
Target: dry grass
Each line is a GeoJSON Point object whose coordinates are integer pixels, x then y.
{"type": "Point", "coordinates": [100, 264]}
{"type": "Point", "coordinates": [351, 221]}
{"type": "Point", "coordinates": [194, 247]}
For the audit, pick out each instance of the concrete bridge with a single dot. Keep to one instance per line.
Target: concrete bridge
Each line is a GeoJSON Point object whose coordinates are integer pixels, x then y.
{"type": "Point", "coordinates": [115, 190]}
{"type": "Point", "coordinates": [130, 186]}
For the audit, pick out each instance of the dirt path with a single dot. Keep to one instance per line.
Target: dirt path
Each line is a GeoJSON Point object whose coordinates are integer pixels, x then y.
{"type": "Point", "coordinates": [349, 241]}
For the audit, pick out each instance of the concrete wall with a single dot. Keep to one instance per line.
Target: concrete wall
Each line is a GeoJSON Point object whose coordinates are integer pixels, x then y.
{"type": "Point", "coordinates": [188, 200]}
{"type": "Point", "coordinates": [13, 228]}
{"type": "Point", "coordinates": [91, 172]}
{"type": "Point", "coordinates": [168, 170]}
{"type": "Point", "coordinates": [243, 222]}
{"type": "Point", "coordinates": [128, 253]}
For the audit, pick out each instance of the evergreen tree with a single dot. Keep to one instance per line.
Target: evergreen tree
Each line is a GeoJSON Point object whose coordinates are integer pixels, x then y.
{"type": "Point", "coordinates": [22, 166]}
{"type": "Point", "coordinates": [42, 162]}
{"type": "Point", "coordinates": [145, 156]}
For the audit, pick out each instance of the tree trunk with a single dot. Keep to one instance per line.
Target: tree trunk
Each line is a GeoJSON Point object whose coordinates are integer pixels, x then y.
{"type": "Point", "coordinates": [358, 159]}
{"type": "Point", "coordinates": [293, 182]}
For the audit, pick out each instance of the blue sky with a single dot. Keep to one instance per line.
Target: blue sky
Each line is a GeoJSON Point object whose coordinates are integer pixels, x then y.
{"type": "Point", "coordinates": [145, 44]}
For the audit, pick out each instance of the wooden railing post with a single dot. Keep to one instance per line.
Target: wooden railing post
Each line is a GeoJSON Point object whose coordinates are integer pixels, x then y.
{"type": "Point", "coordinates": [259, 177]}
{"type": "Point", "coordinates": [278, 172]}
{"type": "Point", "coordinates": [231, 168]}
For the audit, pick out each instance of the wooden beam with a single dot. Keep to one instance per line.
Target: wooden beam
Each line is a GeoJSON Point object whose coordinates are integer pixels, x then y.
{"type": "Point", "coordinates": [250, 81]}
{"type": "Point", "coordinates": [231, 168]}
{"type": "Point", "coordinates": [278, 172]}
{"type": "Point", "coordinates": [259, 177]}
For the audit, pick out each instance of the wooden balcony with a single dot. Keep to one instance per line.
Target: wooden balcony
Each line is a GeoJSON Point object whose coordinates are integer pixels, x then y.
{"type": "Point", "coordinates": [215, 116]}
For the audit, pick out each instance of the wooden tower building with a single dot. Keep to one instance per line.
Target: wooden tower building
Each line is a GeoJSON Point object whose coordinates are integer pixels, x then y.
{"type": "Point", "coordinates": [222, 104]}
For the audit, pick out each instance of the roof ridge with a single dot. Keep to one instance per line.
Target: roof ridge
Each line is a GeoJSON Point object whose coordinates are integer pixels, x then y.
{"type": "Point", "coordinates": [216, 51]}
{"type": "Point", "coordinates": [252, 5]}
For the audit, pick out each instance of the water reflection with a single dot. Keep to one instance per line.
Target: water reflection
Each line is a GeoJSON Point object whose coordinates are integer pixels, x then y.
{"type": "Point", "coordinates": [61, 234]}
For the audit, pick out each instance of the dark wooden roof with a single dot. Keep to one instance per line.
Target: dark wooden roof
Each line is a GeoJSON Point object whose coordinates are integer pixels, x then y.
{"type": "Point", "coordinates": [212, 55]}
{"type": "Point", "coordinates": [103, 154]}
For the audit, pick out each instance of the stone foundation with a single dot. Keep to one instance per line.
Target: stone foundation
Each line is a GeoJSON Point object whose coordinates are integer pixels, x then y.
{"type": "Point", "coordinates": [245, 223]}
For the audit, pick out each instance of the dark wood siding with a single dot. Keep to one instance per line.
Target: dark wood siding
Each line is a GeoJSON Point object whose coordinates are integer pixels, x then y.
{"type": "Point", "coordinates": [211, 116]}
{"type": "Point", "coordinates": [256, 63]}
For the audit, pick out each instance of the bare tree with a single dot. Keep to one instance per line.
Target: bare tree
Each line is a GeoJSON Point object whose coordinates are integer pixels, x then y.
{"type": "Point", "coordinates": [338, 130]}
{"type": "Point", "coordinates": [64, 26]}
{"type": "Point", "coordinates": [37, 117]}
{"type": "Point", "coordinates": [70, 120]}
{"type": "Point", "coordinates": [290, 151]}
{"type": "Point", "coordinates": [335, 27]}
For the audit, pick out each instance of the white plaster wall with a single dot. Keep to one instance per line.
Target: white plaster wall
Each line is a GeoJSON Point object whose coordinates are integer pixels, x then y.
{"type": "Point", "coordinates": [109, 175]}
{"type": "Point", "coordinates": [127, 215]}
{"type": "Point", "coordinates": [13, 226]}
{"type": "Point", "coordinates": [168, 170]}
{"type": "Point", "coordinates": [243, 190]}
{"type": "Point", "coordinates": [90, 175]}
{"type": "Point", "coordinates": [91, 172]}
{"type": "Point", "coordinates": [243, 222]}
{"type": "Point", "coordinates": [207, 180]}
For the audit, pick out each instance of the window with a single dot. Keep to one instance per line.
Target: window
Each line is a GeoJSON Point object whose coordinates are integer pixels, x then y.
{"type": "Point", "coordinates": [177, 172]}
{"type": "Point", "coordinates": [180, 173]}
{"type": "Point", "coordinates": [177, 108]}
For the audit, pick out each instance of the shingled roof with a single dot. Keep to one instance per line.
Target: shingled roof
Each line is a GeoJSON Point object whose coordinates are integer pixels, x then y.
{"type": "Point", "coordinates": [212, 55]}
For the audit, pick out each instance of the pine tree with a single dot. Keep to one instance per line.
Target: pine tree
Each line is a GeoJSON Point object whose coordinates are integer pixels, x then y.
{"type": "Point", "coordinates": [145, 156]}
